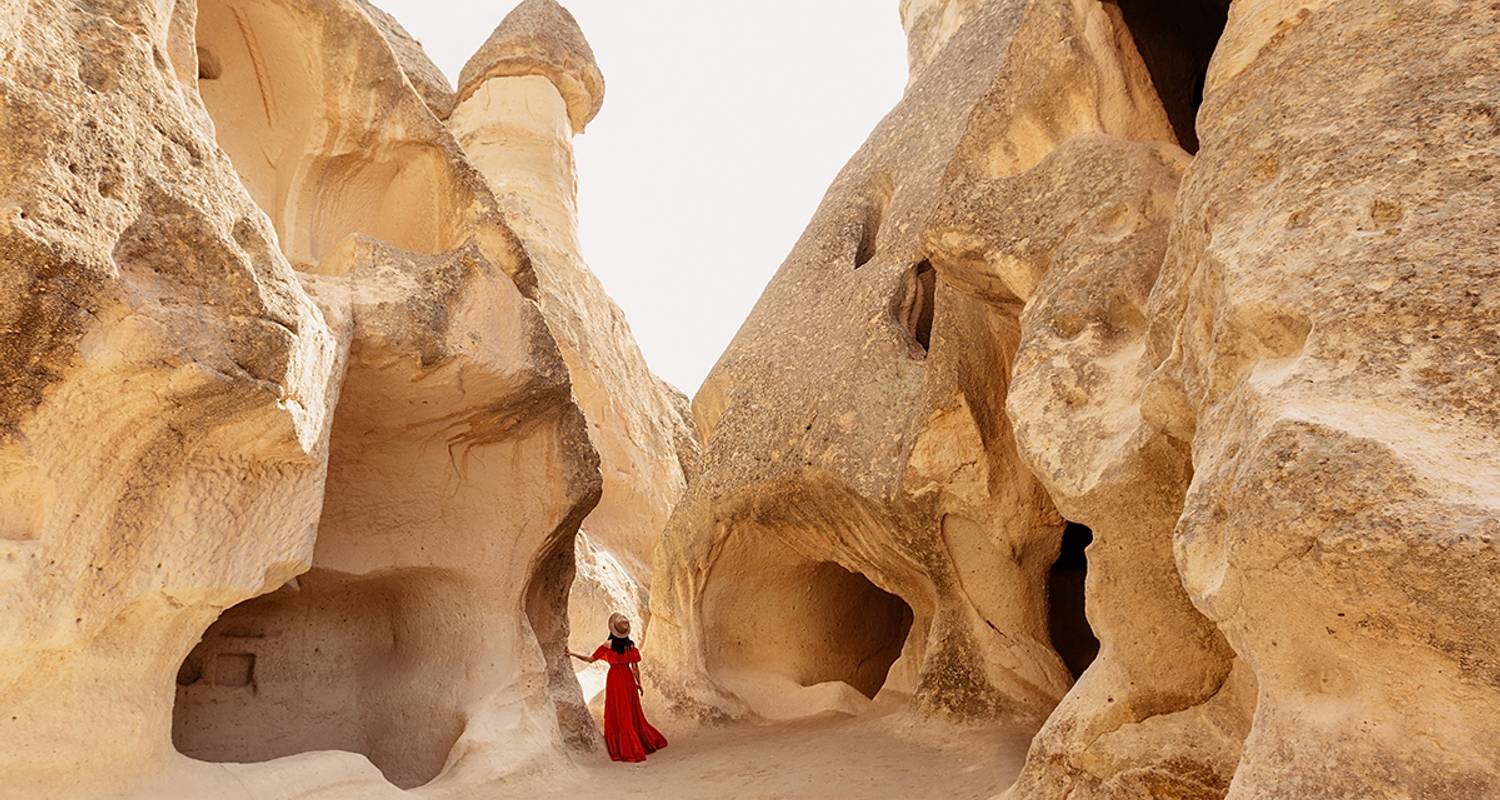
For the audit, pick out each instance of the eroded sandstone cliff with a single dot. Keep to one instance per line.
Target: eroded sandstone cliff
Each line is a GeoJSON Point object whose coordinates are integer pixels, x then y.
{"type": "Point", "coordinates": [294, 445]}
{"type": "Point", "coordinates": [1244, 348]}
{"type": "Point", "coordinates": [857, 425]}
{"type": "Point", "coordinates": [1144, 400]}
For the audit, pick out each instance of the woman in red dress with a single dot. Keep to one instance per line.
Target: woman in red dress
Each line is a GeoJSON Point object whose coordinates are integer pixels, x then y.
{"type": "Point", "coordinates": [627, 734]}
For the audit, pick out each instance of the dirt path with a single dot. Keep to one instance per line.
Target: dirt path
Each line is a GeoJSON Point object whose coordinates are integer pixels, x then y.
{"type": "Point", "coordinates": [887, 756]}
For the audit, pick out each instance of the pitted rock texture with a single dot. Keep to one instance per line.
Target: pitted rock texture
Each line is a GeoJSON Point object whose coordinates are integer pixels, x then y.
{"type": "Point", "coordinates": [858, 420]}
{"type": "Point", "coordinates": [310, 410]}
{"type": "Point", "coordinates": [162, 375]}
{"type": "Point", "coordinates": [413, 575]}
{"type": "Point", "coordinates": [1245, 344]}
{"type": "Point", "coordinates": [284, 418]}
{"type": "Point", "coordinates": [429, 81]}
{"type": "Point", "coordinates": [1332, 358]}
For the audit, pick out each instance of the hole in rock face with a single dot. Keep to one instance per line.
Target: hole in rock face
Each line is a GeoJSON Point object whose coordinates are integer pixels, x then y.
{"type": "Point", "coordinates": [1067, 624]}
{"type": "Point", "coordinates": [918, 304]}
{"type": "Point", "coordinates": [330, 662]}
{"type": "Point", "coordinates": [808, 621]}
{"type": "Point", "coordinates": [1176, 41]}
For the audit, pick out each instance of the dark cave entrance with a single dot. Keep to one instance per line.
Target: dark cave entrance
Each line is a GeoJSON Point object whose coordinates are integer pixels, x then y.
{"type": "Point", "coordinates": [918, 306]}
{"type": "Point", "coordinates": [1067, 624]}
{"type": "Point", "coordinates": [1176, 40]}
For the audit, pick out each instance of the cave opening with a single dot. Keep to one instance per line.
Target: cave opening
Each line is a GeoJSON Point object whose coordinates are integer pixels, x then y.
{"type": "Point", "coordinates": [864, 625]}
{"type": "Point", "coordinates": [866, 249]}
{"type": "Point", "coordinates": [918, 306]}
{"type": "Point", "coordinates": [1176, 41]}
{"type": "Point", "coordinates": [209, 68]}
{"type": "Point", "coordinates": [1067, 624]}
{"type": "Point", "coordinates": [329, 662]}
{"type": "Point", "coordinates": [783, 621]}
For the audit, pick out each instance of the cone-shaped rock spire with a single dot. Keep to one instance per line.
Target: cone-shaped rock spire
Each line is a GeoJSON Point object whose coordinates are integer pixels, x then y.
{"type": "Point", "coordinates": [540, 37]}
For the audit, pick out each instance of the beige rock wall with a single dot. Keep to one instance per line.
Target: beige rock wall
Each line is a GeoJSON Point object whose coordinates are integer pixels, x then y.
{"type": "Point", "coordinates": [460, 407]}
{"type": "Point", "coordinates": [1331, 353]}
{"type": "Point", "coordinates": [1261, 374]}
{"type": "Point", "coordinates": [1291, 349]}
{"type": "Point", "coordinates": [1063, 210]}
{"type": "Point", "coordinates": [166, 401]}
{"type": "Point", "coordinates": [857, 424]}
{"type": "Point", "coordinates": [269, 335]}
{"type": "Point", "coordinates": [302, 404]}
{"type": "Point", "coordinates": [418, 626]}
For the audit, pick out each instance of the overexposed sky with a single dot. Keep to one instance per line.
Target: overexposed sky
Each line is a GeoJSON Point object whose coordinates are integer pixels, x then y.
{"type": "Point", "coordinates": [724, 121]}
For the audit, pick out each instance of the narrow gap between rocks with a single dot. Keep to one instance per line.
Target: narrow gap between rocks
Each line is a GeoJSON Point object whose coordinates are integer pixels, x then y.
{"type": "Point", "coordinates": [1176, 41]}
{"type": "Point", "coordinates": [1072, 637]}
{"type": "Point", "coordinates": [919, 305]}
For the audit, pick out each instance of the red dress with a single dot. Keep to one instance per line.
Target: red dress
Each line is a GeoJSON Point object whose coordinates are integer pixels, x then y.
{"type": "Point", "coordinates": [627, 734]}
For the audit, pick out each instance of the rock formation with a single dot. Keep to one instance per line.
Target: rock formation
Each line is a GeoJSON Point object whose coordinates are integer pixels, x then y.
{"type": "Point", "coordinates": [167, 393]}
{"type": "Point", "coordinates": [521, 98]}
{"type": "Point", "coordinates": [1140, 399]}
{"type": "Point", "coordinates": [857, 439]}
{"type": "Point", "coordinates": [425, 77]}
{"type": "Point", "coordinates": [1328, 351]}
{"type": "Point", "coordinates": [1234, 342]}
{"type": "Point", "coordinates": [281, 375]}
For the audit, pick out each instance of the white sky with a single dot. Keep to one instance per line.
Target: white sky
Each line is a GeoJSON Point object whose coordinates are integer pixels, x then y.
{"type": "Point", "coordinates": [724, 121]}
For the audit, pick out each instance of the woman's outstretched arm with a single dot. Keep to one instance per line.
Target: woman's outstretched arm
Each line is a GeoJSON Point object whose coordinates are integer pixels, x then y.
{"type": "Point", "coordinates": [584, 658]}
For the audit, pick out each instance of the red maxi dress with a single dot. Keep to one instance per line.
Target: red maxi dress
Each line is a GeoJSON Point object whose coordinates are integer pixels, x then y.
{"type": "Point", "coordinates": [627, 734]}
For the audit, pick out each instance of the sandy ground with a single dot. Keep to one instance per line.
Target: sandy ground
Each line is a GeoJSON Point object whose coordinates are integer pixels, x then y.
{"type": "Point", "coordinates": [886, 754]}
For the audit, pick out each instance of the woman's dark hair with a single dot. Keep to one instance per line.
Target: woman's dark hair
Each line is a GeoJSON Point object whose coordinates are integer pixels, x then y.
{"type": "Point", "coordinates": [620, 644]}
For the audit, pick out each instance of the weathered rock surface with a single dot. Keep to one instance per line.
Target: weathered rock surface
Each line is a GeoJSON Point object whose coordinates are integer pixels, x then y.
{"type": "Point", "coordinates": [166, 391]}
{"type": "Point", "coordinates": [539, 37]}
{"type": "Point", "coordinates": [1313, 351]}
{"type": "Point", "coordinates": [1063, 210]}
{"type": "Point", "coordinates": [1332, 355]}
{"type": "Point", "coordinates": [1263, 375]}
{"type": "Point", "coordinates": [467, 410]}
{"type": "Point", "coordinates": [856, 427]}
{"type": "Point", "coordinates": [306, 391]}
{"type": "Point", "coordinates": [414, 637]}
{"type": "Point", "coordinates": [523, 95]}
{"type": "Point", "coordinates": [425, 77]}
{"type": "Point", "coordinates": [275, 356]}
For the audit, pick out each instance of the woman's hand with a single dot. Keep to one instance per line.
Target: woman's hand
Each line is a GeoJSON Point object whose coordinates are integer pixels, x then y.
{"type": "Point", "coordinates": [640, 690]}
